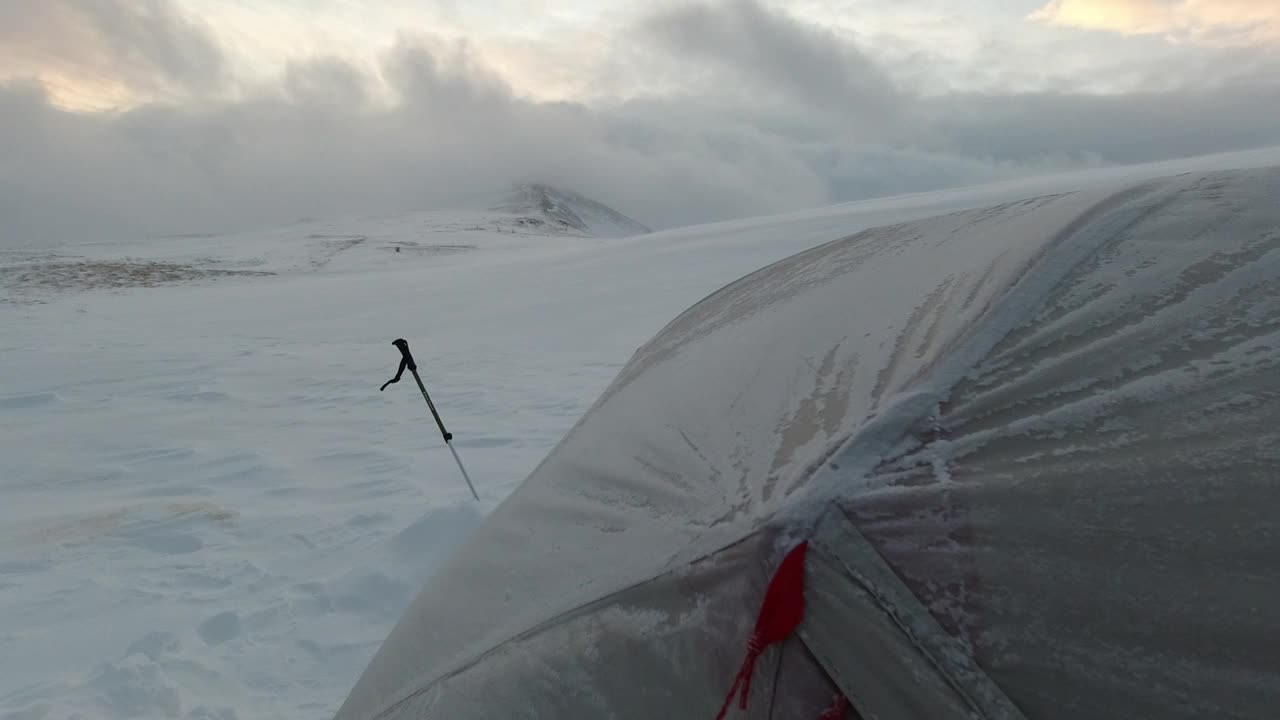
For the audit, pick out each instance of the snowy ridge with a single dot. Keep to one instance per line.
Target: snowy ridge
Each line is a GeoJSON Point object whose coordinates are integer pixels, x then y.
{"type": "Point", "coordinates": [534, 219]}
{"type": "Point", "coordinates": [545, 206]}
{"type": "Point", "coordinates": [209, 509]}
{"type": "Point", "coordinates": [424, 239]}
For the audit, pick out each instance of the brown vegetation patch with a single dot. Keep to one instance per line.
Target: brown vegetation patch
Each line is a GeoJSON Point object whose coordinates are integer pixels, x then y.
{"type": "Point", "coordinates": [24, 279]}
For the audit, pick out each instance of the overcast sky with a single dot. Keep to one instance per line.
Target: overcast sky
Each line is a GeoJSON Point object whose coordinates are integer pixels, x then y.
{"type": "Point", "coordinates": [157, 116]}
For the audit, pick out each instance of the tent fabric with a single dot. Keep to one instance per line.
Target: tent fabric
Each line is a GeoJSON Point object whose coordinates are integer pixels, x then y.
{"type": "Point", "coordinates": [889, 652]}
{"type": "Point", "coordinates": [1054, 420]}
{"type": "Point", "coordinates": [667, 647]}
{"type": "Point", "coordinates": [1093, 507]}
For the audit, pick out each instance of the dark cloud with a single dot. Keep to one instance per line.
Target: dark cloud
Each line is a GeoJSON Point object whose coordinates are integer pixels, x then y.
{"type": "Point", "coordinates": [152, 38]}
{"type": "Point", "coordinates": [326, 82]}
{"type": "Point", "coordinates": [766, 50]}
{"type": "Point", "coordinates": [770, 116]}
{"type": "Point", "coordinates": [446, 76]}
{"type": "Point", "coordinates": [138, 45]}
{"type": "Point", "coordinates": [1128, 128]}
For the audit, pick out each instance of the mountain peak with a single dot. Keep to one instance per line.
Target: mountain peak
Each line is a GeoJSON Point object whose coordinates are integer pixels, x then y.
{"type": "Point", "coordinates": [567, 211]}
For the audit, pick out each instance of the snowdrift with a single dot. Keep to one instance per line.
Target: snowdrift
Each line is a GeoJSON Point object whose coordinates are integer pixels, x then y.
{"type": "Point", "coordinates": [1031, 449]}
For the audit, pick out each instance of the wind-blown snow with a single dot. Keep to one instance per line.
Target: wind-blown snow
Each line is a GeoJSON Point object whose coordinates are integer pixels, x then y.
{"type": "Point", "coordinates": [209, 509]}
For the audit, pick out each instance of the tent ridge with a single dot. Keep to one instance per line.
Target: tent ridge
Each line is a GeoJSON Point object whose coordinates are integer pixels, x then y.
{"type": "Point", "coordinates": [885, 434]}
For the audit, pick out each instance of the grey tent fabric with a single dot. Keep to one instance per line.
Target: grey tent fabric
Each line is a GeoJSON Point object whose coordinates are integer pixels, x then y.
{"type": "Point", "coordinates": [1094, 507]}
{"type": "Point", "coordinates": [1053, 419]}
{"type": "Point", "coordinates": [654, 650]}
{"type": "Point", "coordinates": [889, 652]}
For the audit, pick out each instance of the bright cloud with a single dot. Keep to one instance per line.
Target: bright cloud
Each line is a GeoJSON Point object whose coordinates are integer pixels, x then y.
{"type": "Point", "coordinates": [1214, 22]}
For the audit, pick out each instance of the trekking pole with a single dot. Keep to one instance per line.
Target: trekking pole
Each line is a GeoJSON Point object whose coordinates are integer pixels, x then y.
{"type": "Point", "coordinates": [406, 361]}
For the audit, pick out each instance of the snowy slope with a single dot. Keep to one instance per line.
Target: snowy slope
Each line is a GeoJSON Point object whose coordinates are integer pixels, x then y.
{"type": "Point", "coordinates": [209, 511]}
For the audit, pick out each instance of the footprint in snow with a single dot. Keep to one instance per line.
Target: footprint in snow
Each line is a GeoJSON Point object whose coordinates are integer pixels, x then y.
{"type": "Point", "coordinates": [220, 628]}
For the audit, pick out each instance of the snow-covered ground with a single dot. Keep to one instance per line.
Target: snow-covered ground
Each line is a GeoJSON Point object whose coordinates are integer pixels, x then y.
{"type": "Point", "coordinates": [208, 510]}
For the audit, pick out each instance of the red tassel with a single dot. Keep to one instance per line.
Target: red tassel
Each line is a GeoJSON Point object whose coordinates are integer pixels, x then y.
{"type": "Point", "coordinates": [837, 709]}
{"type": "Point", "coordinates": [780, 614]}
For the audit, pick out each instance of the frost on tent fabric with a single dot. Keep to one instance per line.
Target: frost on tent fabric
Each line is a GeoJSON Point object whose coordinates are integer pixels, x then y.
{"type": "Point", "coordinates": [1028, 450]}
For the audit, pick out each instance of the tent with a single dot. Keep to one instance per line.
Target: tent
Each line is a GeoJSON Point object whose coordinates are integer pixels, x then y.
{"type": "Point", "coordinates": [1016, 462]}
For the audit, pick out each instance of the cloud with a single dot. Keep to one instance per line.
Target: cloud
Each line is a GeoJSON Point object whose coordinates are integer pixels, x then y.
{"type": "Point", "coordinates": [448, 76]}
{"type": "Point", "coordinates": [772, 114]}
{"type": "Point", "coordinates": [1127, 128]}
{"type": "Point", "coordinates": [94, 53]}
{"type": "Point", "coordinates": [1213, 22]}
{"type": "Point", "coordinates": [770, 51]}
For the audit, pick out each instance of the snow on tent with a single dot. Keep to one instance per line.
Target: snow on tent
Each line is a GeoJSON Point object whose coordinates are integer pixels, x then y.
{"type": "Point", "coordinates": [1020, 463]}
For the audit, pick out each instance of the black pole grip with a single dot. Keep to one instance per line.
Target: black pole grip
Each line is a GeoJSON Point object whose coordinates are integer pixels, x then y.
{"type": "Point", "coordinates": [406, 361]}
{"type": "Point", "coordinates": [403, 345]}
